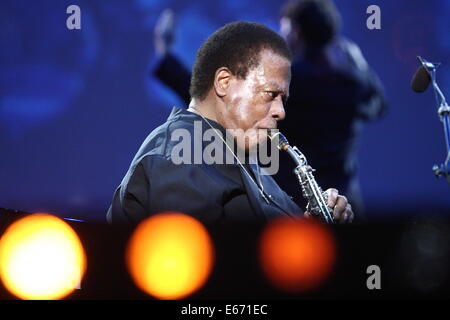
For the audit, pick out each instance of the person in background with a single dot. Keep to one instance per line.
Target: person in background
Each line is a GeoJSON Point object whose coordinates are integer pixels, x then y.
{"type": "Point", "coordinates": [333, 91]}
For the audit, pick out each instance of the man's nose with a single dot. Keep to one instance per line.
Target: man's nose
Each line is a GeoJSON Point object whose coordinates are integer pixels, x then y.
{"type": "Point", "coordinates": [277, 110]}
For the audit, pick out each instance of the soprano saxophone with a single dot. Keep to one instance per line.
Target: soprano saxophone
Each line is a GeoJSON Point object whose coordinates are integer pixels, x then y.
{"type": "Point", "coordinates": [317, 204]}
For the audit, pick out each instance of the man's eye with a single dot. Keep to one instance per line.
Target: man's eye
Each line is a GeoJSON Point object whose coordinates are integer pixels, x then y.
{"type": "Point", "coordinates": [272, 94]}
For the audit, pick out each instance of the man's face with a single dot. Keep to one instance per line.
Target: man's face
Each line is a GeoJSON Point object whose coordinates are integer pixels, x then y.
{"type": "Point", "coordinates": [256, 102]}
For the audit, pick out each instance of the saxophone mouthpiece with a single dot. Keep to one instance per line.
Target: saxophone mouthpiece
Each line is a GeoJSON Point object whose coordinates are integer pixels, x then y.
{"type": "Point", "coordinates": [283, 143]}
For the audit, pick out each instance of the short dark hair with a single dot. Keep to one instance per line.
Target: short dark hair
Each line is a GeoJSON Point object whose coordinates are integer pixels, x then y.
{"type": "Point", "coordinates": [318, 20]}
{"type": "Point", "coordinates": [236, 46]}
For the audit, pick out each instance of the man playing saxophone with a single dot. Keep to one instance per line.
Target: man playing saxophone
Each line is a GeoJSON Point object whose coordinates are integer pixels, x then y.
{"type": "Point", "coordinates": [240, 83]}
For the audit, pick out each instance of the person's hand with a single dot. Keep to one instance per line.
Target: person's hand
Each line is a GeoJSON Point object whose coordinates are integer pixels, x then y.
{"type": "Point", "coordinates": [341, 209]}
{"type": "Point", "coordinates": [164, 32]}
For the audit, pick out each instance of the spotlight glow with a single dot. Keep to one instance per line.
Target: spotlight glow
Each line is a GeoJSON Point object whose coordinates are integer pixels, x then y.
{"type": "Point", "coordinates": [41, 257]}
{"type": "Point", "coordinates": [170, 255]}
{"type": "Point", "coordinates": [296, 255]}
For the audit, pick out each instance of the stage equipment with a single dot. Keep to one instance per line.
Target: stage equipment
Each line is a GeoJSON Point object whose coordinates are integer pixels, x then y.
{"type": "Point", "coordinates": [425, 74]}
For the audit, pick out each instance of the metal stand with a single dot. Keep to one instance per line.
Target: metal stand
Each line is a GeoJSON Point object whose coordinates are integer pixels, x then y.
{"type": "Point", "coordinates": [444, 115]}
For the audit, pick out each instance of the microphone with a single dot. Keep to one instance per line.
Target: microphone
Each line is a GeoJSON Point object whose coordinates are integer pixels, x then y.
{"type": "Point", "coordinates": [421, 79]}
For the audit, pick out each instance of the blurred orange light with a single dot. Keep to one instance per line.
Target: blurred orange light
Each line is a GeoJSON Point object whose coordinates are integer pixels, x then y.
{"type": "Point", "coordinates": [296, 255]}
{"type": "Point", "coordinates": [170, 255]}
{"type": "Point", "coordinates": [41, 257]}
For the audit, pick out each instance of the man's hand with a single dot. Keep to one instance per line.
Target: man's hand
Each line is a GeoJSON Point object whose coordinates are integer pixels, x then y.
{"type": "Point", "coordinates": [341, 209]}
{"type": "Point", "coordinates": [164, 32]}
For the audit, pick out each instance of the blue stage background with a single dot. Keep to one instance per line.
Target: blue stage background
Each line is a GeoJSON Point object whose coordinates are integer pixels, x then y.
{"type": "Point", "coordinates": [76, 104]}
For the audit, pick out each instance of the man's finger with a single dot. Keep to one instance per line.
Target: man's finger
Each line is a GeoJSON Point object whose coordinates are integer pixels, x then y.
{"type": "Point", "coordinates": [351, 214]}
{"type": "Point", "coordinates": [346, 215]}
{"type": "Point", "coordinates": [332, 197]}
{"type": "Point", "coordinates": [339, 208]}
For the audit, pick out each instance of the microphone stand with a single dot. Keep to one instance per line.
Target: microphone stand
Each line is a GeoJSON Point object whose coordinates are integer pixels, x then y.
{"type": "Point", "coordinates": [444, 115]}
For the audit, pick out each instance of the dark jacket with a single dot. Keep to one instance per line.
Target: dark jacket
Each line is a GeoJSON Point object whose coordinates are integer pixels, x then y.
{"type": "Point", "coordinates": [212, 193]}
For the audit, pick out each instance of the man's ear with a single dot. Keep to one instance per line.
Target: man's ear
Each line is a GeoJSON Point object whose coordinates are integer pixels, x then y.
{"type": "Point", "coordinates": [222, 81]}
